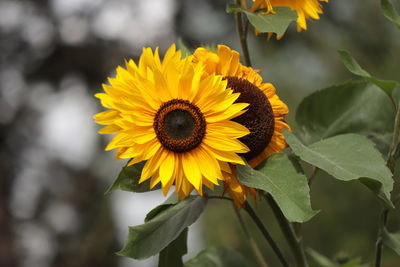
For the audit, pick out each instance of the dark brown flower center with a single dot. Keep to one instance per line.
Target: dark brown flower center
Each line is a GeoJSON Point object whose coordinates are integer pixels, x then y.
{"type": "Point", "coordinates": [179, 125]}
{"type": "Point", "coordinates": [259, 118]}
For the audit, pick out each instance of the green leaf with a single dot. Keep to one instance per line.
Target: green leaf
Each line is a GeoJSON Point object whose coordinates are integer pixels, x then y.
{"type": "Point", "coordinates": [391, 240]}
{"type": "Point", "coordinates": [232, 8]}
{"type": "Point", "coordinates": [217, 257]}
{"type": "Point", "coordinates": [150, 238]}
{"type": "Point", "coordinates": [172, 254]}
{"type": "Point", "coordinates": [352, 65]}
{"type": "Point", "coordinates": [319, 259]}
{"type": "Point", "coordinates": [323, 261]}
{"type": "Point", "coordinates": [353, 107]}
{"type": "Point", "coordinates": [280, 176]}
{"type": "Point", "coordinates": [128, 180]}
{"type": "Point", "coordinates": [348, 157]}
{"type": "Point", "coordinates": [390, 12]}
{"type": "Point", "coordinates": [277, 23]}
{"type": "Point", "coordinates": [172, 200]}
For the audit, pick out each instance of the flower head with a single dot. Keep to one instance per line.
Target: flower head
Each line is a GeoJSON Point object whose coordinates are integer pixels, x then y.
{"type": "Point", "coordinates": [173, 115]}
{"type": "Point", "coordinates": [305, 8]}
{"type": "Point", "coordinates": [265, 117]}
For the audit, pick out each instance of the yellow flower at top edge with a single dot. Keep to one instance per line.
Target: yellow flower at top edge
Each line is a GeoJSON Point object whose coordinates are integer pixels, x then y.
{"type": "Point", "coordinates": [265, 117]}
{"type": "Point", "coordinates": [177, 119]}
{"type": "Point", "coordinates": [305, 8]}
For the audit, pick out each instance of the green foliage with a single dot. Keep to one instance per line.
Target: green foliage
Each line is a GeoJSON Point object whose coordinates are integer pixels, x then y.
{"type": "Point", "coordinates": [217, 257]}
{"type": "Point", "coordinates": [390, 12]}
{"type": "Point", "coordinates": [282, 178]}
{"type": "Point", "coordinates": [128, 180]}
{"type": "Point", "coordinates": [322, 261]}
{"type": "Point", "coordinates": [319, 259]}
{"type": "Point", "coordinates": [352, 65]}
{"type": "Point", "coordinates": [172, 254]}
{"type": "Point", "coordinates": [391, 240]}
{"type": "Point", "coordinates": [232, 8]}
{"type": "Point", "coordinates": [353, 263]}
{"type": "Point", "coordinates": [396, 96]}
{"type": "Point", "coordinates": [160, 229]}
{"type": "Point", "coordinates": [277, 23]}
{"type": "Point", "coordinates": [172, 200]}
{"type": "Point", "coordinates": [348, 157]}
{"type": "Point", "coordinates": [184, 49]}
{"type": "Point", "coordinates": [352, 107]}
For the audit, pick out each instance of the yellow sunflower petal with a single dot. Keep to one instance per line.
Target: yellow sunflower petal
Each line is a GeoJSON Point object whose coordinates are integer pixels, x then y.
{"type": "Point", "coordinates": [191, 170]}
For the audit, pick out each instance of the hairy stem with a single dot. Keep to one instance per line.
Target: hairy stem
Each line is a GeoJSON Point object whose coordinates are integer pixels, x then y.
{"type": "Point", "coordinates": [242, 32]}
{"type": "Point", "coordinates": [266, 234]}
{"type": "Point", "coordinates": [379, 241]}
{"type": "Point", "coordinates": [288, 231]}
{"type": "Point", "coordinates": [391, 163]}
{"type": "Point", "coordinates": [251, 240]}
{"type": "Point", "coordinates": [394, 147]}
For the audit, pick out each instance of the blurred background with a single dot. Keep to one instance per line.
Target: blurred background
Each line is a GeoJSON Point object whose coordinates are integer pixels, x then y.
{"type": "Point", "coordinates": [54, 56]}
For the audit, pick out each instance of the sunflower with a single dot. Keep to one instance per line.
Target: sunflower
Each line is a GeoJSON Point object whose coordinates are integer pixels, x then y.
{"type": "Point", "coordinates": [305, 8]}
{"type": "Point", "coordinates": [265, 117]}
{"type": "Point", "coordinates": [177, 119]}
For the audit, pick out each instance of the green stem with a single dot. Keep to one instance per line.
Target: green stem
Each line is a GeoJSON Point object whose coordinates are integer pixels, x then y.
{"type": "Point", "coordinates": [394, 147]}
{"type": "Point", "coordinates": [391, 163]}
{"type": "Point", "coordinates": [312, 175]}
{"type": "Point", "coordinates": [251, 240]}
{"type": "Point", "coordinates": [379, 241]}
{"type": "Point", "coordinates": [266, 234]}
{"type": "Point", "coordinates": [293, 241]}
{"type": "Point", "coordinates": [242, 32]}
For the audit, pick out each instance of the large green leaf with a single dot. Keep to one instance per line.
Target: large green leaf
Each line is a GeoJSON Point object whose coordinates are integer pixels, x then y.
{"type": "Point", "coordinates": [277, 23]}
{"type": "Point", "coordinates": [171, 200]}
{"type": "Point", "coordinates": [391, 240]}
{"type": "Point", "coordinates": [353, 107]}
{"type": "Point", "coordinates": [128, 180]}
{"type": "Point", "coordinates": [150, 238]}
{"type": "Point", "coordinates": [348, 157]}
{"type": "Point", "coordinates": [172, 254]}
{"type": "Point", "coordinates": [351, 64]}
{"type": "Point", "coordinates": [281, 177]}
{"type": "Point", "coordinates": [217, 257]}
{"type": "Point", "coordinates": [390, 12]}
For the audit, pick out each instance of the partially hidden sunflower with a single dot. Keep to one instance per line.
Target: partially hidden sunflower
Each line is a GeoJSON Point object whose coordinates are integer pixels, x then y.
{"type": "Point", "coordinates": [265, 117]}
{"type": "Point", "coordinates": [305, 8]}
{"type": "Point", "coordinates": [176, 117]}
